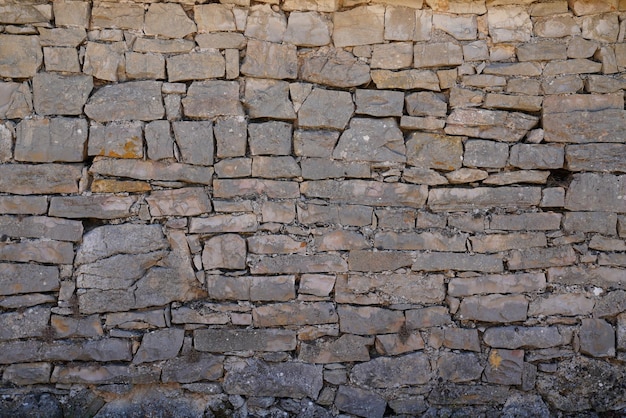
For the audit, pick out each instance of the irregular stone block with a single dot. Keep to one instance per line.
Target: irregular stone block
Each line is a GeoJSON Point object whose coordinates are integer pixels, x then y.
{"type": "Point", "coordinates": [378, 261]}
{"type": "Point", "coordinates": [505, 283]}
{"type": "Point", "coordinates": [29, 323]}
{"type": "Point", "coordinates": [255, 187]}
{"type": "Point", "coordinates": [16, 101]}
{"type": "Point", "coordinates": [208, 99]}
{"type": "Point", "coordinates": [295, 263]}
{"type": "Point", "coordinates": [525, 337]}
{"type": "Point", "coordinates": [195, 141]}
{"type": "Point", "coordinates": [453, 394]}
{"type": "Point", "coordinates": [505, 367]}
{"type": "Point", "coordinates": [168, 20]}
{"type": "Point", "coordinates": [314, 5]}
{"type": "Point", "coordinates": [390, 372]}
{"type": "Point", "coordinates": [214, 18]}
{"type": "Point", "coordinates": [601, 27]}
{"type": "Point", "coordinates": [114, 373]}
{"type": "Point", "coordinates": [41, 227]}
{"type": "Point", "coordinates": [27, 278]}
{"type": "Point", "coordinates": [595, 157]}
{"type": "Point", "coordinates": [196, 66]}
{"type": "Point", "coordinates": [360, 402]}
{"type": "Point", "coordinates": [282, 314]}
{"type": "Point", "coordinates": [255, 377]}
{"type": "Point", "coordinates": [152, 170]}
{"type": "Point", "coordinates": [434, 151]}
{"type": "Point", "coordinates": [190, 201]}
{"type": "Point", "coordinates": [366, 192]}
{"type": "Point", "coordinates": [98, 207]}
{"type": "Point", "coordinates": [163, 46]}
{"type": "Point", "coordinates": [399, 23]}
{"type": "Point", "coordinates": [509, 24]}
{"type": "Point", "coordinates": [60, 95]}
{"type": "Point", "coordinates": [539, 258]}
{"type": "Point", "coordinates": [159, 345]}
{"type": "Point", "coordinates": [555, 27]}
{"type": "Point", "coordinates": [222, 340]}
{"type": "Point", "coordinates": [394, 344]}
{"type": "Point", "coordinates": [369, 320]}
{"type": "Point", "coordinates": [341, 240]}
{"type": "Point", "coordinates": [307, 29]}
{"type": "Point", "coordinates": [379, 102]}
{"type": "Point", "coordinates": [188, 369]}
{"type": "Point", "coordinates": [528, 221]}
{"type": "Point", "coordinates": [221, 40]}
{"type": "Point", "coordinates": [362, 25]}
{"type": "Point", "coordinates": [375, 140]}
{"type": "Point", "coordinates": [224, 223]}
{"type": "Point", "coordinates": [406, 80]}
{"type": "Point", "coordinates": [270, 60]}
{"type": "Point", "coordinates": [21, 56]}
{"type": "Point", "coordinates": [348, 347]}
{"type": "Point", "coordinates": [320, 169]}
{"type": "Point", "coordinates": [441, 261]}
{"type": "Point", "coordinates": [488, 154]}
{"type": "Point", "coordinates": [572, 66]}
{"type": "Point", "coordinates": [420, 241]}
{"type": "Point", "coordinates": [601, 222]}
{"type": "Point", "coordinates": [490, 124]}
{"type": "Point", "coordinates": [354, 215]}
{"type": "Point", "coordinates": [427, 317]}
{"type": "Point", "coordinates": [39, 179]}
{"type": "Point", "coordinates": [71, 13]}
{"type": "Point", "coordinates": [483, 197]}
{"type": "Point", "coordinates": [565, 305]}
{"type": "Point", "coordinates": [524, 176]}
{"type": "Point", "coordinates": [265, 24]}
{"type": "Point", "coordinates": [27, 374]}
{"type": "Point", "coordinates": [159, 140]}
{"type": "Point", "coordinates": [536, 156]}
{"type": "Point", "coordinates": [268, 99]}
{"type": "Point", "coordinates": [461, 339]}
{"type": "Point", "coordinates": [117, 139]}
{"type": "Point", "coordinates": [389, 289]}
{"type": "Point", "coordinates": [494, 308]}
{"type": "Point", "coordinates": [426, 104]}
{"type": "Point", "coordinates": [325, 109]}
{"type": "Point", "coordinates": [437, 54]}
{"type": "Point", "coordinates": [226, 251]}
{"type": "Point", "coordinates": [596, 192]}
{"type": "Point", "coordinates": [597, 338]}
{"type": "Point", "coordinates": [104, 61]}
{"type": "Point", "coordinates": [230, 136]}
{"type": "Point", "coordinates": [334, 67]}
{"type": "Point", "coordinates": [463, 367]}
{"type": "Point", "coordinates": [18, 14]}
{"type": "Point", "coordinates": [49, 140]}
{"type": "Point", "coordinates": [508, 102]}
{"type": "Point", "coordinates": [392, 56]}
{"type": "Point", "coordinates": [117, 15]}
{"type": "Point", "coordinates": [142, 66]}
{"type": "Point", "coordinates": [270, 138]}
{"type": "Point", "coordinates": [135, 100]}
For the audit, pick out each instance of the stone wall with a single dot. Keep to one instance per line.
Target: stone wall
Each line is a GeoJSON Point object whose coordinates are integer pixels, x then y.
{"type": "Point", "coordinates": [312, 207]}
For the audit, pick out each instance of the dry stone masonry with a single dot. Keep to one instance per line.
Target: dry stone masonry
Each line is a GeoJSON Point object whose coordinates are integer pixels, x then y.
{"type": "Point", "coordinates": [312, 208]}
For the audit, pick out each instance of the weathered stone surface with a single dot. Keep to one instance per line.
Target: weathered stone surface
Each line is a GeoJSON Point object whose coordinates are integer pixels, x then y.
{"type": "Point", "coordinates": [214, 17]}
{"type": "Point", "coordinates": [505, 367]}
{"type": "Point", "coordinates": [408, 79]}
{"type": "Point", "coordinates": [530, 221]}
{"type": "Point", "coordinates": [222, 340]}
{"type": "Point", "coordinates": [168, 20]}
{"type": "Point", "coordinates": [265, 24]}
{"type": "Point", "coordinates": [189, 369]}
{"type": "Point", "coordinates": [488, 154]}
{"type": "Point", "coordinates": [420, 241]}
{"type": "Point", "coordinates": [463, 367]}
{"type": "Point", "coordinates": [196, 66]}
{"type": "Point", "coordinates": [152, 170]}
{"type": "Point", "coordinates": [255, 377]}
{"type": "Point", "coordinates": [434, 151]}
{"type": "Point", "coordinates": [320, 169]}
{"type": "Point", "coordinates": [437, 54]}
{"type": "Point", "coordinates": [208, 99]}
{"type": "Point", "coordinates": [230, 136]}
{"type": "Point", "coordinates": [190, 201]}
{"type": "Point", "coordinates": [452, 394]}
{"type": "Point", "coordinates": [60, 95]}
{"type": "Point", "coordinates": [98, 207]}
{"type": "Point", "coordinates": [611, 304]}
{"type": "Point", "coordinates": [49, 252]}
{"type": "Point", "coordinates": [224, 223]}
{"type": "Point", "coordinates": [394, 344]}
{"type": "Point", "coordinates": [597, 338]}
{"type": "Point", "coordinates": [369, 320]}
{"type": "Point", "coordinates": [601, 27]}
{"type": "Point", "coordinates": [268, 99]}
{"type": "Point", "coordinates": [221, 40]}
{"type": "Point", "coordinates": [143, 66]}
{"type": "Point", "coordinates": [163, 46]}
{"type": "Point", "coordinates": [555, 27]}
{"type": "Point", "coordinates": [427, 317]}
{"type": "Point", "coordinates": [16, 100]}
{"type": "Point", "coordinates": [325, 109]}
{"type": "Point", "coordinates": [399, 23]}
{"type": "Point", "coordinates": [375, 140]}
{"type": "Point", "coordinates": [355, 215]}
{"type": "Point", "coordinates": [159, 345]}
{"type": "Point", "coordinates": [462, 28]}
{"type": "Point", "coordinates": [334, 67]}
{"type": "Point", "coordinates": [460, 339]}
{"type": "Point", "coordinates": [226, 251]}
{"type": "Point", "coordinates": [566, 305]}
{"type": "Point", "coordinates": [514, 69]}
{"type": "Point", "coordinates": [359, 26]}
{"type": "Point", "coordinates": [494, 308]}
{"type": "Point", "coordinates": [307, 29]}
{"type": "Point", "coordinates": [27, 374]}
{"type": "Point", "coordinates": [316, 284]}
{"type": "Point", "coordinates": [270, 138]}
{"type": "Point", "coordinates": [602, 222]}
{"type": "Point", "coordinates": [392, 56]}
{"type": "Point", "coordinates": [365, 261]}
{"type": "Point", "coordinates": [544, 257]}
{"type": "Point", "coordinates": [366, 192]}
{"type": "Point", "coordinates": [50, 140]}
{"type": "Point", "coordinates": [483, 197]}
{"type": "Point", "coordinates": [524, 176]}
{"type": "Point", "coordinates": [135, 100]}
{"type": "Point", "coordinates": [116, 139]}
{"type": "Point", "coordinates": [595, 157]}
{"type": "Point", "coordinates": [195, 142]}
{"type": "Point", "coordinates": [525, 337]}
{"type": "Point", "coordinates": [379, 103]}
{"type": "Point", "coordinates": [389, 289]}
{"type": "Point", "coordinates": [41, 227]}
{"type": "Point", "coordinates": [114, 15]}
{"type": "Point", "coordinates": [466, 175]}
{"type": "Point", "coordinates": [269, 60]}
{"type": "Point", "coordinates": [348, 347]}
{"type": "Point", "coordinates": [441, 261]}
{"type": "Point", "coordinates": [572, 66]}
{"type": "Point", "coordinates": [31, 322]}
{"type": "Point", "coordinates": [254, 187]}
{"type": "Point", "coordinates": [490, 124]}
{"type": "Point", "coordinates": [341, 240]}
{"type": "Point", "coordinates": [114, 373]}
{"type": "Point", "coordinates": [390, 372]}
{"type": "Point", "coordinates": [536, 156]}
{"type": "Point", "coordinates": [508, 102]}
{"type": "Point", "coordinates": [322, 263]}
{"type": "Point", "coordinates": [27, 278]}
{"type": "Point", "coordinates": [104, 61]}
{"type": "Point", "coordinates": [20, 56]}
{"type": "Point", "coordinates": [314, 5]}
{"type": "Point", "coordinates": [107, 349]}
{"type": "Point", "coordinates": [509, 283]}
{"type": "Point", "coordinates": [596, 192]}
{"type": "Point", "coordinates": [360, 402]}
{"type": "Point", "coordinates": [509, 24]}
{"type": "Point", "coordinates": [39, 179]}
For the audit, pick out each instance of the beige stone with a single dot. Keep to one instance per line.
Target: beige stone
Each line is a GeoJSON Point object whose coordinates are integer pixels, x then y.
{"type": "Point", "coordinates": [509, 24]}
{"type": "Point", "coordinates": [168, 20]}
{"type": "Point", "coordinates": [362, 25]}
{"type": "Point", "coordinates": [214, 18]}
{"type": "Point", "coordinates": [270, 60]}
{"type": "Point", "coordinates": [61, 59]}
{"type": "Point", "coordinates": [265, 24]}
{"type": "Point", "coordinates": [196, 66]}
{"type": "Point", "coordinates": [104, 61]}
{"type": "Point", "coordinates": [71, 13]}
{"type": "Point", "coordinates": [117, 15]}
{"type": "Point", "coordinates": [308, 29]}
{"type": "Point", "coordinates": [399, 24]}
{"type": "Point", "coordinates": [20, 56]}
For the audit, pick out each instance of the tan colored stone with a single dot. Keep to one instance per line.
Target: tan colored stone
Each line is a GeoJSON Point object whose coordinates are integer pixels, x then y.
{"type": "Point", "coordinates": [116, 186]}
{"type": "Point", "coordinates": [71, 13]}
{"type": "Point", "coordinates": [362, 25]}
{"type": "Point", "coordinates": [406, 80]}
{"type": "Point", "coordinates": [227, 251]}
{"type": "Point", "coordinates": [39, 179]}
{"type": "Point", "coordinates": [61, 59]}
{"type": "Point", "coordinates": [269, 60]}
{"type": "Point", "coordinates": [189, 201]}
{"type": "Point", "coordinates": [117, 15]}
{"type": "Point", "coordinates": [20, 56]}
{"type": "Point", "coordinates": [399, 24]}
{"type": "Point", "coordinates": [298, 313]}
{"type": "Point", "coordinates": [168, 20]}
{"type": "Point", "coordinates": [509, 24]}
{"type": "Point", "coordinates": [334, 67]}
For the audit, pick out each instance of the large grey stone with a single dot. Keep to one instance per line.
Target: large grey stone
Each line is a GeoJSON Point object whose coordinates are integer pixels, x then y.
{"type": "Point", "coordinates": [104, 374]}
{"type": "Point", "coordinates": [359, 26]}
{"type": "Point", "coordinates": [494, 243]}
{"type": "Point", "coordinates": [265, 24]}
{"type": "Point", "coordinates": [16, 100]}
{"type": "Point", "coordinates": [348, 347]}
{"type": "Point", "coordinates": [168, 20]}
{"type": "Point", "coordinates": [270, 60]}
{"type": "Point", "coordinates": [224, 340]}
{"type": "Point", "coordinates": [193, 368]}
{"type": "Point", "coordinates": [569, 304]}
{"type": "Point", "coordinates": [270, 138]}
{"type": "Point", "coordinates": [497, 283]}
{"type": "Point", "coordinates": [375, 140]}
{"type": "Point", "coordinates": [369, 261]}
{"type": "Point", "coordinates": [505, 367]}
{"type": "Point", "coordinates": [39, 179]}
{"type": "Point", "coordinates": [366, 192]}
{"type": "Point", "coordinates": [596, 192]}
{"type": "Point", "coordinates": [369, 320]}
{"type": "Point", "coordinates": [599, 126]}
{"type": "Point", "coordinates": [541, 257]}
{"type": "Point", "coordinates": [226, 251]}
{"type": "Point", "coordinates": [461, 367]}
{"type": "Point", "coordinates": [308, 29]}
{"type": "Point", "coordinates": [41, 227]}
{"type": "Point", "coordinates": [56, 94]}
{"type": "Point", "coordinates": [490, 124]}
{"type": "Point", "coordinates": [196, 66]}
{"type": "Point", "coordinates": [31, 322]}
{"type": "Point", "coordinates": [334, 67]}
{"type": "Point", "coordinates": [134, 100]}
{"type": "Point", "coordinates": [393, 372]}
{"type": "Point", "coordinates": [159, 345]}
{"type": "Point", "coordinates": [274, 189]}
{"type": "Point", "coordinates": [189, 201]}
{"type": "Point", "coordinates": [208, 99]}
{"type": "Point", "coordinates": [195, 141]}
{"type": "Point", "coordinates": [442, 152]}
{"type": "Point", "coordinates": [27, 278]}
{"type": "Point", "coordinates": [595, 157]}
{"type": "Point", "coordinates": [406, 80]}
{"type": "Point", "coordinates": [51, 140]}
{"type": "Point", "coordinates": [597, 338]}
{"type": "Point", "coordinates": [116, 139]}
{"type": "Point", "coordinates": [95, 206]}
{"type": "Point", "coordinates": [295, 263]}
{"type": "Point", "coordinates": [105, 61]}
{"type": "Point", "coordinates": [20, 56]}
{"type": "Point", "coordinates": [153, 170]}
{"type": "Point", "coordinates": [268, 99]}
{"type": "Point", "coordinates": [450, 394]}
{"type": "Point", "coordinates": [117, 15]}
{"type": "Point", "coordinates": [360, 402]}
{"type": "Point", "coordinates": [282, 314]}
{"type": "Point", "coordinates": [509, 24]}
{"type": "Point", "coordinates": [103, 349]}
{"type": "Point", "coordinates": [525, 337]}
{"type": "Point", "coordinates": [257, 378]}
{"type": "Point", "coordinates": [420, 241]}
{"type": "Point", "coordinates": [47, 252]}
{"type": "Point", "coordinates": [494, 308]}
{"type": "Point", "coordinates": [437, 54]}
{"type": "Point", "coordinates": [325, 109]}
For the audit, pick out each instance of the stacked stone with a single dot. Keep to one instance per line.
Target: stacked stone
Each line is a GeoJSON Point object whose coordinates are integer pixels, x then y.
{"type": "Point", "coordinates": [312, 207]}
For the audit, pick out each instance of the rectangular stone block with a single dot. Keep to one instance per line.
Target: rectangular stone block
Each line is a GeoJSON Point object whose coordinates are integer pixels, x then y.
{"type": "Point", "coordinates": [437, 54]}
{"type": "Point", "coordinates": [596, 192]}
{"type": "Point", "coordinates": [502, 242]}
{"type": "Point", "coordinates": [208, 99]}
{"type": "Point", "coordinates": [362, 25]}
{"type": "Point", "coordinates": [133, 100]}
{"type": "Point", "coordinates": [483, 198]}
{"type": "Point", "coordinates": [366, 192]}
{"type": "Point", "coordinates": [420, 241]}
{"type": "Point", "coordinates": [116, 139]}
{"type": "Point", "coordinates": [497, 283]}
{"type": "Point", "coordinates": [382, 289]}
{"type": "Point", "coordinates": [27, 278]}
{"type": "Point", "coordinates": [114, 15]}
{"type": "Point", "coordinates": [27, 179]}
{"type": "Point", "coordinates": [223, 223]}
{"type": "Point", "coordinates": [224, 340]}
{"type": "Point", "coordinates": [106, 374]}
{"type": "Point", "coordinates": [541, 258]}
{"type": "Point", "coordinates": [571, 304]}
{"type": "Point", "coordinates": [545, 221]}
{"type": "Point", "coordinates": [374, 261]}
{"type": "Point", "coordinates": [369, 320]}
{"type": "Point", "coordinates": [191, 201]}
{"type": "Point", "coordinates": [427, 317]}
{"type": "Point", "coordinates": [196, 66]}
{"type": "Point", "coordinates": [48, 252]}
{"type": "Point", "coordinates": [56, 94]}
{"type": "Point", "coordinates": [270, 60]}
{"type": "Point", "coordinates": [152, 170]}
{"type": "Point", "coordinates": [95, 206]}
{"type": "Point", "coordinates": [28, 323]}
{"type": "Point", "coordinates": [406, 80]}
{"type": "Point", "coordinates": [599, 126]}
{"type": "Point", "coordinates": [354, 215]}
{"type": "Point", "coordinates": [295, 263]}
{"type": "Point", "coordinates": [41, 227]}
{"type": "Point", "coordinates": [297, 313]}
{"type": "Point", "coordinates": [321, 169]}
{"type": "Point", "coordinates": [21, 56]}
{"type": "Point", "coordinates": [490, 124]}
{"type": "Point", "coordinates": [494, 308]}
{"type": "Point", "coordinates": [273, 189]}
{"type": "Point", "coordinates": [605, 277]}
{"type": "Point", "coordinates": [441, 261]}
{"type": "Point", "coordinates": [601, 222]}
{"type": "Point", "coordinates": [596, 157]}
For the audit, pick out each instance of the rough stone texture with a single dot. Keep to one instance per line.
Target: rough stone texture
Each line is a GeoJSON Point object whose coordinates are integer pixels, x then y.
{"type": "Point", "coordinates": [334, 67]}
{"type": "Point", "coordinates": [20, 56]}
{"type": "Point", "coordinates": [411, 369]}
{"type": "Point", "coordinates": [135, 100]}
{"type": "Point", "coordinates": [51, 140]}
{"type": "Point", "coordinates": [371, 140]}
